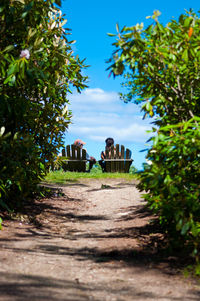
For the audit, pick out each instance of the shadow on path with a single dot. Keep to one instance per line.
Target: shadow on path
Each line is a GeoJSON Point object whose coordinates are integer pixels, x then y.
{"type": "Point", "coordinates": [65, 214]}
{"type": "Point", "coordinates": [21, 287]}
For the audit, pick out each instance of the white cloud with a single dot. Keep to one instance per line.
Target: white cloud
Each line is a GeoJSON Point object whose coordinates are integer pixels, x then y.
{"type": "Point", "coordinates": [96, 100]}
{"type": "Point", "coordinates": [98, 114]}
{"type": "Point", "coordinates": [99, 96]}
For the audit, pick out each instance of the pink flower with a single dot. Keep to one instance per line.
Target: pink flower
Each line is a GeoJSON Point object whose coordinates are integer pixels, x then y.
{"type": "Point", "coordinates": [25, 53]}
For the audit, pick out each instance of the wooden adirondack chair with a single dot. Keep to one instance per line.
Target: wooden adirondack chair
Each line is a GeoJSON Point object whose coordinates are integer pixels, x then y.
{"type": "Point", "coordinates": [118, 159]}
{"type": "Point", "coordinates": [75, 158]}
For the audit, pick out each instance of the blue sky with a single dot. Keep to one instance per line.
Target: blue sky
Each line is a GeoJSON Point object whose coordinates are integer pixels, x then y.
{"type": "Point", "coordinates": [98, 112]}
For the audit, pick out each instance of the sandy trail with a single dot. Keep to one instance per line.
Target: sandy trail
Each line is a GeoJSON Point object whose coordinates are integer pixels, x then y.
{"type": "Point", "coordinates": [91, 244]}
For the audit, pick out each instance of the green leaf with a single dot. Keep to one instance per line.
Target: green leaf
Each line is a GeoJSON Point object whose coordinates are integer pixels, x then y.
{"type": "Point", "coordinates": [111, 34]}
{"type": "Point", "coordinates": [185, 228]}
{"type": "Point", "coordinates": [160, 27]}
{"type": "Point", "coordinates": [24, 14]}
{"type": "Point", "coordinates": [185, 55]}
{"type": "Point", "coordinates": [13, 68]}
{"type": "Point", "coordinates": [148, 106]}
{"type": "Point", "coordinates": [167, 179]}
{"type": "Point", "coordinates": [9, 48]}
{"type": "Point", "coordinates": [187, 22]}
{"type": "Point", "coordinates": [65, 110]}
{"type": "Point", "coordinates": [10, 80]}
{"type": "Point", "coordinates": [16, 136]}
{"type": "Point", "coordinates": [117, 27]}
{"type": "Point", "coordinates": [163, 49]}
{"type": "Point", "coordinates": [21, 1]}
{"type": "Point", "coordinates": [151, 66]}
{"type": "Point", "coordinates": [64, 22]}
{"type": "Point", "coordinates": [172, 56]}
{"type": "Point", "coordinates": [155, 140]}
{"type": "Point", "coordinates": [31, 32]}
{"type": "Point", "coordinates": [2, 130]}
{"type": "Point", "coordinates": [181, 18]}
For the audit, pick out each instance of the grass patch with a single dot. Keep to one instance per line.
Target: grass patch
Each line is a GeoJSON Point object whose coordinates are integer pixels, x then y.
{"type": "Point", "coordinates": [61, 177]}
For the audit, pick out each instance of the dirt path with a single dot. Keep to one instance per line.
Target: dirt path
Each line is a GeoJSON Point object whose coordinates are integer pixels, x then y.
{"type": "Point", "coordinates": [91, 244]}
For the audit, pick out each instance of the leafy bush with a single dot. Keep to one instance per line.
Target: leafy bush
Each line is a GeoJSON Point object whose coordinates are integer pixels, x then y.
{"type": "Point", "coordinates": [37, 67]}
{"type": "Point", "coordinates": [172, 182]}
{"type": "Point", "coordinates": [161, 70]}
{"type": "Point", "coordinates": [133, 170]}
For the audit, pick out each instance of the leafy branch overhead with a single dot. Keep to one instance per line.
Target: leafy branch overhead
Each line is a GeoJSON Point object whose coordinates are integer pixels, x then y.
{"type": "Point", "coordinates": [161, 66]}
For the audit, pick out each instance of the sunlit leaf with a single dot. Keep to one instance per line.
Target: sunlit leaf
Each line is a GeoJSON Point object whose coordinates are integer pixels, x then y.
{"type": "Point", "coordinates": [185, 55]}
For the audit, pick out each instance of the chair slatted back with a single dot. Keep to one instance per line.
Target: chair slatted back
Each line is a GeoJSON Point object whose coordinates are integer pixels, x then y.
{"type": "Point", "coordinates": [76, 158]}
{"type": "Point", "coordinates": [118, 159]}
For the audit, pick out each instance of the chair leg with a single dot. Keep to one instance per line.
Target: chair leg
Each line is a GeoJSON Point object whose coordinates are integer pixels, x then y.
{"type": "Point", "coordinates": [102, 164]}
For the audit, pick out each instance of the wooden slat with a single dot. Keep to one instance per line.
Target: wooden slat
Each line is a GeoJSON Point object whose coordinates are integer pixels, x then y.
{"type": "Point", "coordinates": [72, 164]}
{"type": "Point", "coordinates": [112, 152]}
{"type": "Point", "coordinates": [73, 156]}
{"type": "Point", "coordinates": [127, 163]}
{"type": "Point", "coordinates": [68, 151]}
{"type": "Point", "coordinates": [83, 154]}
{"type": "Point", "coordinates": [122, 162]}
{"type": "Point", "coordinates": [108, 163]}
{"type": "Point", "coordinates": [118, 155]}
{"type": "Point", "coordinates": [78, 151]}
{"type": "Point", "coordinates": [128, 153]}
{"type": "Point", "coordinates": [63, 152]}
{"type": "Point", "coordinates": [82, 162]}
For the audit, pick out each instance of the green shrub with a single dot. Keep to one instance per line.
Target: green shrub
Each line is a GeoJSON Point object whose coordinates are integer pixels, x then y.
{"type": "Point", "coordinates": [172, 182]}
{"type": "Point", "coordinates": [37, 68]}
{"type": "Point", "coordinates": [160, 65]}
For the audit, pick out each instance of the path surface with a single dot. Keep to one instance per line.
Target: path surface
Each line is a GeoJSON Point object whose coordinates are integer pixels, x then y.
{"type": "Point", "coordinates": [91, 244]}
